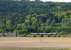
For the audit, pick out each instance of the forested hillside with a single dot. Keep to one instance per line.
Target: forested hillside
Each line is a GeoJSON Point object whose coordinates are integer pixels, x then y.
{"type": "Point", "coordinates": [25, 17]}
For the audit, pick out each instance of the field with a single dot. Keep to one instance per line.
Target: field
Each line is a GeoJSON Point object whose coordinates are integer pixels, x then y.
{"type": "Point", "coordinates": [38, 43]}
{"type": "Point", "coordinates": [34, 49]}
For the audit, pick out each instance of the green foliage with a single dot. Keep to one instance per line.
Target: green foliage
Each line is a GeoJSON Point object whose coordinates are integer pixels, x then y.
{"type": "Point", "coordinates": [26, 17]}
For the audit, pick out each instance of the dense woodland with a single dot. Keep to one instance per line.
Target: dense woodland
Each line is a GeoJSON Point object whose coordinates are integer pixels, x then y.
{"type": "Point", "coordinates": [26, 17]}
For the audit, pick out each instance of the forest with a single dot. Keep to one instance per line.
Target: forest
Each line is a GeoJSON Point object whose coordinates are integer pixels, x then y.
{"type": "Point", "coordinates": [25, 17]}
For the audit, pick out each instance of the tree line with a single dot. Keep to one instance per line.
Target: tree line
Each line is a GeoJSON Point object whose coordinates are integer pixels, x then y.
{"type": "Point", "coordinates": [25, 17]}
